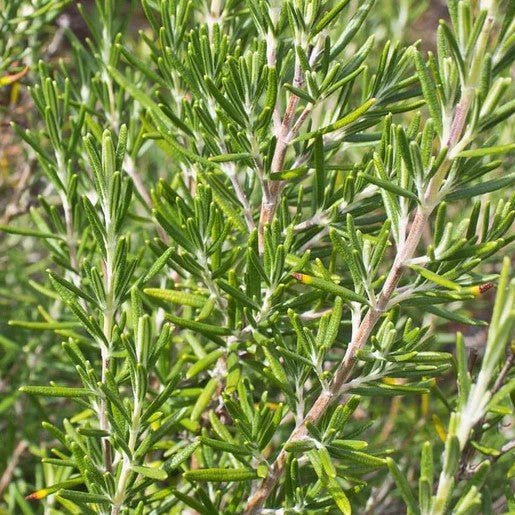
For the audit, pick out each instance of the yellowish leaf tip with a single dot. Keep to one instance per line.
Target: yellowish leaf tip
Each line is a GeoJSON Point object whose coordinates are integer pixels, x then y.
{"type": "Point", "coordinates": [37, 495]}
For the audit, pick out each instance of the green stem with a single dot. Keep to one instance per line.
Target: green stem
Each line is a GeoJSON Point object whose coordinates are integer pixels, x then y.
{"type": "Point", "coordinates": [125, 473]}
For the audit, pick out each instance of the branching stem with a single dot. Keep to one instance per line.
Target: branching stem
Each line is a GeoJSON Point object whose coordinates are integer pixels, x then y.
{"type": "Point", "coordinates": [344, 369]}
{"type": "Point", "coordinates": [272, 189]}
{"type": "Point", "coordinates": [405, 252]}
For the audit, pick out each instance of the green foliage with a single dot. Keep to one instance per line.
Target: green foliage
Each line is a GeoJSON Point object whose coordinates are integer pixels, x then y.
{"type": "Point", "coordinates": [259, 232]}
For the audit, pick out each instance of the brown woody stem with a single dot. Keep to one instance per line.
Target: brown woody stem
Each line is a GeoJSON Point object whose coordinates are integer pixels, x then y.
{"type": "Point", "coordinates": [405, 252]}
{"type": "Point", "coordinates": [272, 189]}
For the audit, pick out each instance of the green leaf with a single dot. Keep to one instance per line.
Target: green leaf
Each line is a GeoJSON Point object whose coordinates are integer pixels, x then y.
{"type": "Point", "coordinates": [177, 297]}
{"type": "Point", "coordinates": [403, 486]}
{"type": "Point", "coordinates": [329, 16]}
{"type": "Point", "coordinates": [288, 175]}
{"type": "Point", "coordinates": [389, 390]}
{"type": "Point", "coordinates": [324, 469]}
{"type": "Point", "coordinates": [319, 178]}
{"type": "Point", "coordinates": [113, 396]}
{"type": "Point", "coordinates": [225, 446]}
{"type": "Point", "coordinates": [455, 317]}
{"type": "Point", "coordinates": [334, 323]}
{"type": "Point", "coordinates": [301, 93]}
{"type": "Point", "coordinates": [500, 395]}
{"type": "Point", "coordinates": [330, 287]}
{"type": "Point", "coordinates": [220, 475]}
{"type": "Point", "coordinates": [57, 391]}
{"type": "Point", "coordinates": [486, 451]}
{"type": "Point", "coordinates": [326, 462]}
{"type": "Point", "coordinates": [351, 27]}
{"type": "Point", "coordinates": [199, 326]}
{"type": "Point", "coordinates": [338, 495]}
{"type": "Point", "coordinates": [29, 232]}
{"type": "Point", "coordinates": [159, 263]}
{"type": "Point", "coordinates": [204, 399]}
{"type": "Point", "coordinates": [230, 109]}
{"type": "Point", "coordinates": [150, 472]}
{"type": "Point", "coordinates": [390, 186]}
{"type": "Point", "coordinates": [49, 490]}
{"type": "Point", "coordinates": [300, 446]}
{"type": "Point", "coordinates": [362, 458]}
{"type": "Point", "coordinates": [92, 432]}
{"type": "Point", "coordinates": [429, 91]}
{"type": "Point", "coordinates": [225, 205]}
{"type": "Point", "coordinates": [349, 258]}
{"type": "Point", "coordinates": [342, 414]}
{"type": "Point", "coordinates": [482, 188]}
{"type": "Point", "coordinates": [276, 367]}
{"type": "Point", "coordinates": [83, 497]}
{"type": "Point", "coordinates": [204, 362]}
{"type": "Point", "coordinates": [141, 66]}
{"type": "Point", "coordinates": [163, 123]}
{"type": "Point", "coordinates": [435, 278]}
{"type": "Point", "coordinates": [481, 472]}
{"type": "Point", "coordinates": [224, 158]}
{"type": "Point", "coordinates": [342, 122]}
{"type": "Point", "coordinates": [180, 456]}
{"type": "Point", "coordinates": [486, 151]}
{"type": "Point", "coordinates": [164, 395]}
{"type": "Point", "coordinates": [43, 325]}
{"type": "Point", "coordinates": [72, 288]}
{"type": "Point", "coordinates": [426, 462]}
{"type": "Point", "coordinates": [237, 295]}
{"type": "Point", "coordinates": [452, 454]}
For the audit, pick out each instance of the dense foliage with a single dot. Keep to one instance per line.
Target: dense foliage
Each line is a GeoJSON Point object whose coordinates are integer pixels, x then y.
{"type": "Point", "coordinates": [252, 257]}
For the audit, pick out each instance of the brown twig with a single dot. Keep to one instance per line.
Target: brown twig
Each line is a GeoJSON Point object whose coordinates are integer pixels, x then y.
{"type": "Point", "coordinates": [285, 132]}
{"type": "Point", "coordinates": [8, 472]}
{"type": "Point", "coordinates": [272, 189]}
{"type": "Point", "coordinates": [13, 208]}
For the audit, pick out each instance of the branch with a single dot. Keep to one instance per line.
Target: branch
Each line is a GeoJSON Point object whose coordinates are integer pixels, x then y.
{"type": "Point", "coordinates": [468, 451]}
{"type": "Point", "coordinates": [244, 201]}
{"type": "Point", "coordinates": [272, 189]}
{"type": "Point", "coordinates": [285, 133]}
{"type": "Point", "coordinates": [11, 466]}
{"type": "Point", "coordinates": [345, 367]}
{"type": "Point", "coordinates": [405, 252]}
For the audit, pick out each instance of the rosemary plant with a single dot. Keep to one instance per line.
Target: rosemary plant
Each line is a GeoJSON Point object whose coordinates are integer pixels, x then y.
{"type": "Point", "coordinates": [266, 240]}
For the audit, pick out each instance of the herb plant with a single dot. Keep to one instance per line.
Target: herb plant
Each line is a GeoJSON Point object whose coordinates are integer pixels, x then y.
{"type": "Point", "coordinates": [264, 244]}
